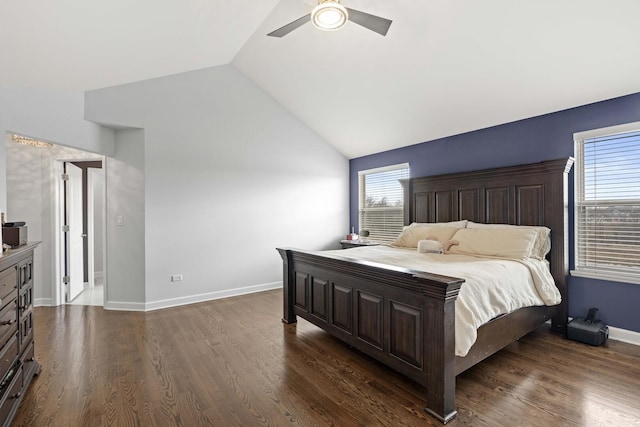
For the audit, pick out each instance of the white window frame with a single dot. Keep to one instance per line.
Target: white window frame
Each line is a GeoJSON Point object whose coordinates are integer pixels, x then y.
{"type": "Point", "coordinates": [361, 175]}
{"type": "Point", "coordinates": [615, 274]}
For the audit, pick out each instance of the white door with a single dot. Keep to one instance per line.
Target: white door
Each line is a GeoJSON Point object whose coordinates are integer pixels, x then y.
{"type": "Point", "coordinates": [75, 236]}
{"type": "Point", "coordinates": [95, 225]}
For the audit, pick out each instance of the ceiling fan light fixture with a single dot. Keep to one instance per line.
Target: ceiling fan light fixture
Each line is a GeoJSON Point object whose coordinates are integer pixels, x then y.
{"type": "Point", "coordinates": [329, 15]}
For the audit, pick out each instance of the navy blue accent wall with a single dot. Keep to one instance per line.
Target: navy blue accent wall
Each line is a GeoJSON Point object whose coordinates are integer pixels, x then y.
{"type": "Point", "coordinates": [531, 140]}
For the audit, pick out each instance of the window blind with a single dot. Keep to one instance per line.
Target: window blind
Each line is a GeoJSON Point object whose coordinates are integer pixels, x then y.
{"type": "Point", "coordinates": [608, 207]}
{"type": "Point", "coordinates": [382, 202]}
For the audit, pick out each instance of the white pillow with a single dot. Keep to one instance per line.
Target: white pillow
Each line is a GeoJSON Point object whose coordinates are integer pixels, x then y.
{"type": "Point", "coordinates": [541, 247]}
{"type": "Point", "coordinates": [429, 246]}
{"type": "Point", "coordinates": [514, 243]}
{"type": "Point", "coordinates": [410, 236]}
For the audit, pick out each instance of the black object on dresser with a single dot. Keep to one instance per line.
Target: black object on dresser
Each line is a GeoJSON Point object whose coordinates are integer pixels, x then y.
{"type": "Point", "coordinates": [17, 359]}
{"type": "Point", "coordinates": [14, 236]}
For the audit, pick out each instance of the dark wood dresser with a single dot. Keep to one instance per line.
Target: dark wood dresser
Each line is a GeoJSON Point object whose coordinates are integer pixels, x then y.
{"type": "Point", "coordinates": [17, 362]}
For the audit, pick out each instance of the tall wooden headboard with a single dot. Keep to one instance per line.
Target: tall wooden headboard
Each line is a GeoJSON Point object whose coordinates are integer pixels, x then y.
{"type": "Point", "coordinates": [532, 194]}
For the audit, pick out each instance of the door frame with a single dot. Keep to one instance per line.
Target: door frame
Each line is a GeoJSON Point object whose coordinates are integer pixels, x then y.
{"type": "Point", "coordinates": [57, 219]}
{"type": "Point", "coordinates": [75, 237]}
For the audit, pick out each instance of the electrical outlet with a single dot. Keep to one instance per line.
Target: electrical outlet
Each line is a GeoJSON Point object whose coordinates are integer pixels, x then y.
{"type": "Point", "coordinates": [176, 277]}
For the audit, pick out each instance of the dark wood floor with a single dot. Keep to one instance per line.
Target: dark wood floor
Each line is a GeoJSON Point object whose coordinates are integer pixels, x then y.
{"type": "Point", "coordinates": [232, 362]}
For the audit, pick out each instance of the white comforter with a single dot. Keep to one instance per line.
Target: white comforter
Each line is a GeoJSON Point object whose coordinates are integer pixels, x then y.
{"type": "Point", "coordinates": [493, 286]}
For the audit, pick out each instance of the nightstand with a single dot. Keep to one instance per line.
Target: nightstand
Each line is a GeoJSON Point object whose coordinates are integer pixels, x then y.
{"type": "Point", "coordinates": [346, 244]}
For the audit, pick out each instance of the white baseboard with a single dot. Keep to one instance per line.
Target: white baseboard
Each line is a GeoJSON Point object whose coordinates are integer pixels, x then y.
{"type": "Point", "coordinates": [117, 305]}
{"type": "Point", "coordinates": [42, 302]}
{"type": "Point", "coordinates": [123, 306]}
{"type": "Point", "coordinates": [624, 335]}
{"type": "Point", "coordinates": [98, 278]}
{"type": "Point", "coordinates": [192, 299]}
{"type": "Point", "coordinates": [175, 302]}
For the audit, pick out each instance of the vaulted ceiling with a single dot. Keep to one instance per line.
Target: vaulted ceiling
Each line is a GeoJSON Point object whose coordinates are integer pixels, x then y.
{"type": "Point", "coordinates": [445, 67]}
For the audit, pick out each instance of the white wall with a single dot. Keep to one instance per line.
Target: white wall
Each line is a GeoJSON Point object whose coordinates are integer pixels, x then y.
{"type": "Point", "coordinates": [31, 196]}
{"type": "Point", "coordinates": [58, 117]}
{"type": "Point", "coordinates": [51, 115]}
{"type": "Point", "coordinates": [220, 176]}
{"type": "Point", "coordinates": [229, 175]}
{"type": "Point", "coordinates": [25, 202]}
{"type": "Point", "coordinates": [125, 275]}
{"type": "Point", "coordinates": [31, 193]}
{"type": "Point", "coordinates": [3, 160]}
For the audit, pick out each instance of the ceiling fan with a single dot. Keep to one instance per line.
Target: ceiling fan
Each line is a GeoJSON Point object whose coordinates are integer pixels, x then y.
{"type": "Point", "coordinates": [330, 15]}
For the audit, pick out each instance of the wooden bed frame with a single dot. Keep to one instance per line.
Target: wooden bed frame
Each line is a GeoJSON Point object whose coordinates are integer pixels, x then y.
{"type": "Point", "coordinates": [405, 318]}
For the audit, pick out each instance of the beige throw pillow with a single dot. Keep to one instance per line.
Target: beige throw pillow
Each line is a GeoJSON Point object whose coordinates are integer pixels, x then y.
{"type": "Point", "coordinates": [541, 247]}
{"type": "Point", "coordinates": [514, 243]}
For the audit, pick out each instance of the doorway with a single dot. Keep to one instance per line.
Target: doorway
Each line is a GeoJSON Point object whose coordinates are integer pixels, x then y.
{"type": "Point", "coordinates": [81, 244]}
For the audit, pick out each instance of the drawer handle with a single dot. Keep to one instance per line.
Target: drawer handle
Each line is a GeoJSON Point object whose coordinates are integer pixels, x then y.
{"type": "Point", "coordinates": [8, 322]}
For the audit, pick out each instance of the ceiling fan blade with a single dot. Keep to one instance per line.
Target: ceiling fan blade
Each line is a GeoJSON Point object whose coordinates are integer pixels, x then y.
{"type": "Point", "coordinates": [371, 22]}
{"type": "Point", "coordinates": [283, 31]}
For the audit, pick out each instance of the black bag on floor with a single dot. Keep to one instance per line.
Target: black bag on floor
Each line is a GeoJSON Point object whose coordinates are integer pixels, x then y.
{"type": "Point", "coordinates": [588, 330]}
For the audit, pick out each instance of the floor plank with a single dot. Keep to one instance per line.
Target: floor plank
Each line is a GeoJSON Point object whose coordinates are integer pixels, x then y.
{"type": "Point", "coordinates": [232, 362]}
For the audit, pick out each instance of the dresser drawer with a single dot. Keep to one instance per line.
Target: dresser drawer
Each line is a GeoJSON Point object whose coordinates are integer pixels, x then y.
{"type": "Point", "coordinates": [11, 395]}
{"type": "Point", "coordinates": [8, 284]}
{"type": "Point", "coordinates": [26, 329]}
{"type": "Point", "coordinates": [25, 302]}
{"type": "Point", "coordinates": [8, 322]}
{"type": "Point", "coordinates": [28, 363]}
{"type": "Point", "coordinates": [8, 355]}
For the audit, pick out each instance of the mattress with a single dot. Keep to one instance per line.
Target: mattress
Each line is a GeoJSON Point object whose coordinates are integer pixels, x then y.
{"type": "Point", "coordinates": [492, 287]}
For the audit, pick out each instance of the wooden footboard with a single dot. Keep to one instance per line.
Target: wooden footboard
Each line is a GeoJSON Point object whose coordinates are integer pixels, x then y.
{"type": "Point", "coordinates": [403, 318]}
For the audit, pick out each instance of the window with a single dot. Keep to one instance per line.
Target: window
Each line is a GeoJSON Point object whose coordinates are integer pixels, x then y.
{"type": "Point", "coordinates": [381, 202]}
{"type": "Point", "coordinates": [607, 197]}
